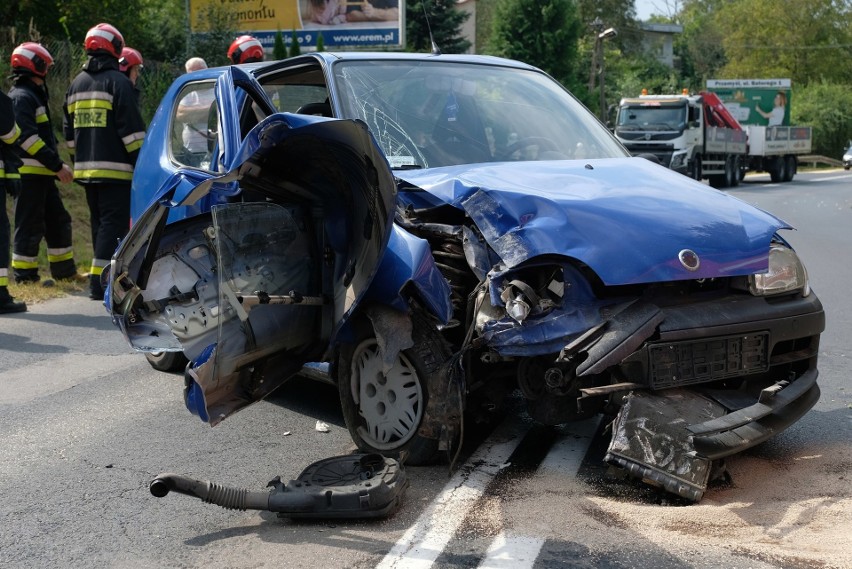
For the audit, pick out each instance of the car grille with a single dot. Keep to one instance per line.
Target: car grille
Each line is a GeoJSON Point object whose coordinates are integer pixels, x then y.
{"type": "Point", "coordinates": [699, 361]}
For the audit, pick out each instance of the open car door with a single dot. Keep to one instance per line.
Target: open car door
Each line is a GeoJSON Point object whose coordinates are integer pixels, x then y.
{"type": "Point", "coordinates": [255, 287]}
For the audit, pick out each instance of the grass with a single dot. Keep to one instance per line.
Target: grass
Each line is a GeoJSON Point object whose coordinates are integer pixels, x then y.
{"type": "Point", "coordinates": [74, 197]}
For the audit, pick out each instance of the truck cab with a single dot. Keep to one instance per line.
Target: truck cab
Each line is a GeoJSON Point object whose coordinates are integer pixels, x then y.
{"type": "Point", "coordinates": [669, 127]}
{"type": "Point", "coordinates": [691, 134]}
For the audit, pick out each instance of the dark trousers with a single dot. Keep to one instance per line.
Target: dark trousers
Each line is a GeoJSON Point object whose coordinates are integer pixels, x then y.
{"type": "Point", "coordinates": [109, 210]}
{"type": "Point", "coordinates": [40, 214]}
{"type": "Point", "coordinates": [4, 228]}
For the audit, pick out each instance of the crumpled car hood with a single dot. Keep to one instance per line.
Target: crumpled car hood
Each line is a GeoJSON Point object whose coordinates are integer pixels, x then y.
{"type": "Point", "coordinates": [628, 219]}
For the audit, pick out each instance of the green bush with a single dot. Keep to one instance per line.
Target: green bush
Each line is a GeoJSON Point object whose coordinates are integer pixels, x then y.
{"type": "Point", "coordinates": [827, 108]}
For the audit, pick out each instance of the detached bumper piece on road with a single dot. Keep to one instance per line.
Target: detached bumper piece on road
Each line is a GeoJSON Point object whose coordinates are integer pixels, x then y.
{"type": "Point", "coordinates": [351, 486]}
{"type": "Point", "coordinates": [671, 438]}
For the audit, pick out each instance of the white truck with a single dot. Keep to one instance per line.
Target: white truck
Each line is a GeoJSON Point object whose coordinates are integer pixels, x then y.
{"type": "Point", "coordinates": [698, 136]}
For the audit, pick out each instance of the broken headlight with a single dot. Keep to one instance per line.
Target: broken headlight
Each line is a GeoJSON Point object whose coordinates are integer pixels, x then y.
{"type": "Point", "coordinates": [786, 273]}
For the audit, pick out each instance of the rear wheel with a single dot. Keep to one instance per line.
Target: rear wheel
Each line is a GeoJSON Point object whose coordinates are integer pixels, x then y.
{"type": "Point", "coordinates": [777, 169]}
{"type": "Point", "coordinates": [384, 412]}
{"type": "Point", "coordinates": [790, 167]}
{"type": "Point", "coordinates": [167, 361]}
{"type": "Point", "coordinates": [732, 171]}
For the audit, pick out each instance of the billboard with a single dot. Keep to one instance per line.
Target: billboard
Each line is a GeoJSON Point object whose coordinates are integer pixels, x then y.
{"type": "Point", "coordinates": [764, 102]}
{"type": "Point", "coordinates": [342, 23]}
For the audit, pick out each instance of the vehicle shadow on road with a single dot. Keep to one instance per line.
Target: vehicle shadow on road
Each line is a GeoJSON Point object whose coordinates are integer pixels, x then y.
{"type": "Point", "coordinates": [70, 320]}
{"type": "Point", "coordinates": [24, 344]}
{"type": "Point", "coordinates": [311, 398]}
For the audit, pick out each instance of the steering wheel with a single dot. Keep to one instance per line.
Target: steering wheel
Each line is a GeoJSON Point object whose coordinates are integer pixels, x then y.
{"type": "Point", "coordinates": [543, 143]}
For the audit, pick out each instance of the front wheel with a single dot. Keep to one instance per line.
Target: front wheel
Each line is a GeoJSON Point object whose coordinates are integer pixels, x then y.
{"type": "Point", "coordinates": [384, 412]}
{"type": "Point", "coordinates": [695, 171]}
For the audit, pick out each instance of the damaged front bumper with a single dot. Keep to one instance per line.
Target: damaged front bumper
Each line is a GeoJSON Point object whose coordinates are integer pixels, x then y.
{"type": "Point", "coordinates": [670, 439]}
{"type": "Point", "coordinates": [715, 388]}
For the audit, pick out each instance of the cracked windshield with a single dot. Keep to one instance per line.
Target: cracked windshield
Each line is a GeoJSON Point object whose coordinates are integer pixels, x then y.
{"type": "Point", "coordinates": [432, 114]}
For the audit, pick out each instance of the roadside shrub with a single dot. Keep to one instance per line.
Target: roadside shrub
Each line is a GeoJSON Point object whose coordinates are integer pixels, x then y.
{"type": "Point", "coordinates": [827, 108]}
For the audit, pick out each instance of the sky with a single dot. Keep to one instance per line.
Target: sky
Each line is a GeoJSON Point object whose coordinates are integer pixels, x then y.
{"type": "Point", "coordinates": [644, 8]}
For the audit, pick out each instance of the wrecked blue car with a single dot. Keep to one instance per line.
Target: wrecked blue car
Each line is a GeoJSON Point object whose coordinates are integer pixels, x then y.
{"type": "Point", "coordinates": [438, 231]}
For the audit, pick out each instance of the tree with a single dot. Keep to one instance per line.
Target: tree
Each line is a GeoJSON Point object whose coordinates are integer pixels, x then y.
{"type": "Point", "coordinates": [295, 49]}
{"type": "Point", "coordinates": [543, 33]}
{"type": "Point", "coordinates": [805, 40]}
{"type": "Point", "coordinates": [320, 45]}
{"type": "Point", "coordinates": [827, 108]}
{"type": "Point", "coordinates": [617, 14]}
{"type": "Point", "coordinates": [279, 50]}
{"type": "Point", "coordinates": [445, 22]}
{"type": "Point", "coordinates": [220, 24]}
{"type": "Point", "coordinates": [700, 46]}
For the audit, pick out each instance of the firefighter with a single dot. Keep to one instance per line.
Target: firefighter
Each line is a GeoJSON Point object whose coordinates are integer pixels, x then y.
{"type": "Point", "coordinates": [131, 64]}
{"type": "Point", "coordinates": [9, 184]}
{"type": "Point", "coordinates": [104, 129]}
{"type": "Point", "coordinates": [39, 211]}
{"type": "Point", "coordinates": [245, 49]}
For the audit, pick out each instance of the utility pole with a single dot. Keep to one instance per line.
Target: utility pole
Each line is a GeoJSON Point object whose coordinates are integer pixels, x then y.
{"type": "Point", "coordinates": [599, 56]}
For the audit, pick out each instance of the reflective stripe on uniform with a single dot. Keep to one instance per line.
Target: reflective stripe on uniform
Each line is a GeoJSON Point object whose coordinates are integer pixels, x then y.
{"type": "Point", "coordinates": [33, 166]}
{"type": "Point", "coordinates": [41, 115]}
{"type": "Point", "coordinates": [133, 141]}
{"type": "Point", "coordinates": [4, 280]}
{"type": "Point", "coordinates": [89, 98]}
{"type": "Point", "coordinates": [11, 136]}
{"type": "Point", "coordinates": [22, 262]}
{"type": "Point", "coordinates": [59, 254]}
{"type": "Point", "coordinates": [103, 169]}
{"type": "Point", "coordinates": [32, 144]}
{"type": "Point", "coordinates": [110, 174]}
{"type": "Point", "coordinates": [90, 109]}
{"type": "Point", "coordinates": [98, 266]}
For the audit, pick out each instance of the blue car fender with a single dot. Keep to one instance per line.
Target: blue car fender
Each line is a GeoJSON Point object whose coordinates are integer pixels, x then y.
{"type": "Point", "coordinates": [408, 261]}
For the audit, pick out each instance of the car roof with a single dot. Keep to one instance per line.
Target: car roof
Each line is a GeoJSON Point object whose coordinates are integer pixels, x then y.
{"type": "Point", "coordinates": [331, 57]}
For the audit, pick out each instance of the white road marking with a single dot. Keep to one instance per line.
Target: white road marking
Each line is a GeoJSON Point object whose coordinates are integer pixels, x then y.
{"type": "Point", "coordinates": [421, 545]}
{"type": "Point", "coordinates": [826, 179]}
{"type": "Point", "coordinates": [568, 451]}
{"type": "Point", "coordinates": [512, 552]}
{"type": "Point", "coordinates": [509, 551]}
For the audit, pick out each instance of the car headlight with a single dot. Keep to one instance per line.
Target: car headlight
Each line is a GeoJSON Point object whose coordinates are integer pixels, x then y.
{"type": "Point", "coordinates": [786, 274]}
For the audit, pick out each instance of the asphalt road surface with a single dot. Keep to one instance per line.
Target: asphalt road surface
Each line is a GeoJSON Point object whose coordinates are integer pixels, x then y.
{"type": "Point", "coordinates": [87, 424]}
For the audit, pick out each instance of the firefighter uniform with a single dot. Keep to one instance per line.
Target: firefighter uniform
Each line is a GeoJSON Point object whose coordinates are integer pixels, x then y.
{"type": "Point", "coordinates": [39, 211]}
{"type": "Point", "coordinates": [105, 131]}
{"type": "Point", "coordinates": [9, 183]}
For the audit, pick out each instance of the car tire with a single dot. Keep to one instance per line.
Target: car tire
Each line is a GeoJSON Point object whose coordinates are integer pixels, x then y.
{"type": "Point", "coordinates": [167, 361]}
{"type": "Point", "coordinates": [398, 398]}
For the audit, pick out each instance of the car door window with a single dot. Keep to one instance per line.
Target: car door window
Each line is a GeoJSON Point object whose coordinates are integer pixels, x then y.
{"type": "Point", "coordinates": [192, 137]}
{"type": "Point", "coordinates": [301, 90]}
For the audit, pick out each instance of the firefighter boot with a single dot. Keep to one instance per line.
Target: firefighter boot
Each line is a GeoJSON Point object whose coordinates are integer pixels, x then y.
{"type": "Point", "coordinates": [9, 305]}
{"type": "Point", "coordinates": [96, 291]}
